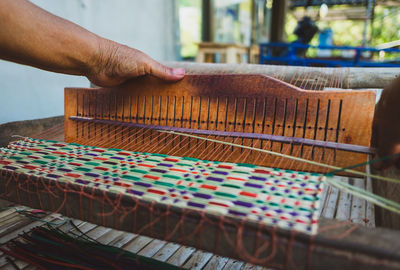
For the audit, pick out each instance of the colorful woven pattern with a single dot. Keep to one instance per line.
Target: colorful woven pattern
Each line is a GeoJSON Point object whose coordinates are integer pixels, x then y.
{"type": "Point", "coordinates": [282, 198]}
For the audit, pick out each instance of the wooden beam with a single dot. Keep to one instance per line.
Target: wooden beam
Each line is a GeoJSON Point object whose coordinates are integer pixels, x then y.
{"type": "Point", "coordinates": [337, 14]}
{"type": "Point", "coordinates": [28, 128]}
{"type": "Point", "coordinates": [388, 45]}
{"type": "Point", "coordinates": [307, 77]}
{"type": "Point", "coordinates": [338, 245]}
{"type": "Point", "coordinates": [388, 3]}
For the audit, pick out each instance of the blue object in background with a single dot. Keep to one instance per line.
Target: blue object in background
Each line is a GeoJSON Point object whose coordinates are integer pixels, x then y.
{"type": "Point", "coordinates": [325, 37]}
{"type": "Point", "coordinates": [290, 58]}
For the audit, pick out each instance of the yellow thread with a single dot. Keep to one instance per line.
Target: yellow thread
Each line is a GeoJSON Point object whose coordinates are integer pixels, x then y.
{"type": "Point", "coordinates": [366, 195]}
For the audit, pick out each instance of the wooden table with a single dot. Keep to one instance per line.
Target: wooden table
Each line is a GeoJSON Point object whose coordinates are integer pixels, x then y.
{"type": "Point", "coordinates": [230, 53]}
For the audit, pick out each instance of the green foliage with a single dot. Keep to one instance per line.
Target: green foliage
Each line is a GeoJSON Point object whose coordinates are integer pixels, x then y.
{"type": "Point", "coordinates": [190, 26]}
{"type": "Point", "coordinates": [385, 28]}
{"type": "Point", "coordinates": [189, 3]}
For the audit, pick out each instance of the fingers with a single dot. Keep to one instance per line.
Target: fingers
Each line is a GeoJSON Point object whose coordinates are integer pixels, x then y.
{"type": "Point", "coordinates": [163, 72]}
{"type": "Point", "coordinates": [119, 63]}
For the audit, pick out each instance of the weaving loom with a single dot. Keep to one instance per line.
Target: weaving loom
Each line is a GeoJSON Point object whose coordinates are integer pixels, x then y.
{"type": "Point", "coordinates": [178, 161]}
{"type": "Point", "coordinates": [250, 110]}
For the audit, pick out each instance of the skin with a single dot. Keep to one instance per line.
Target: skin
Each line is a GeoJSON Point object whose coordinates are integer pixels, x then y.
{"type": "Point", "coordinates": [29, 35]}
{"type": "Point", "coordinates": [386, 126]}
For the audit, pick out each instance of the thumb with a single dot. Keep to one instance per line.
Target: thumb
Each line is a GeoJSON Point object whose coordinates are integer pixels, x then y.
{"type": "Point", "coordinates": [165, 73]}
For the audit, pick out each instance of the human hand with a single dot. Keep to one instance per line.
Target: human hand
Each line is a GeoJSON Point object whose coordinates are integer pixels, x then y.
{"type": "Point", "coordinates": [386, 126]}
{"type": "Point", "coordinates": [114, 64]}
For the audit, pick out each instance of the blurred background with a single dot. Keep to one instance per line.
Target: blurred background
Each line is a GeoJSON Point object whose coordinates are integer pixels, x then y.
{"type": "Point", "coordinates": [326, 33]}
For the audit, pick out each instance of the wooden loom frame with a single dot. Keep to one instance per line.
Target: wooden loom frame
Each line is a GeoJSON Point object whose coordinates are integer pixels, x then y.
{"type": "Point", "coordinates": [245, 104]}
{"type": "Point", "coordinates": [333, 252]}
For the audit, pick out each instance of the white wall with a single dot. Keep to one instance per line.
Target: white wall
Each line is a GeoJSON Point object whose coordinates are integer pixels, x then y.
{"type": "Point", "coordinates": [148, 25]}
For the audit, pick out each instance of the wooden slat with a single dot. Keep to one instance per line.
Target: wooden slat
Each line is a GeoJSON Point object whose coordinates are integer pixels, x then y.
{"type": "Point", "coordinates": [358, 206]}
{"type": "Point", "coordinates": [109, 236]}
{"type": "Point", "coordinates": [22, 265]}
{"type": "Point", "coordinates": [137, 244]}
{"type": "Point", "coordinates": [84, 227]}
{"type": "Point", "coordinates": [18, 263]}
{"type": "Point", "coordinates": [14, 217]}
{"type": "Point", "coordinates": [331, 202]}
{"type": "Point", "coordinates": [66, 227]}
{"type": "Point", "coordinates": [152, 248]}
{"type": "Point", "coordinates": [13, 224]}
{"type": "Point", "coordinates": [16, 231]}
{"type": "Point", "coordinates": [29, 267]}
{"type": "Point", "coordinates": [166, 252]}
{"type": "Point", "coordinates": [123, 239]}
{"type": "Point", "coordinates": [26, 228]}
{"type": "Point", "coordinates": [323, 199]}
{"type": "Point", "coordinates": [249, 266]}
{"type": "Point", "coordinates": [181, 256]}
{"type": "Point", "coordinates": [233, 265]}
{"type": "Point", "coordinates": [344, 204]}
{"type": "Point", "coordinates": [4, 215]}
{"type": "Point", "coordinates": [370, 209]}
{"type": "Point", "coordinates": [216, 262]}
{"type": "Point", "coordinates": [198, 260]}
{"type": "Point", "coordinates": [97, 232]}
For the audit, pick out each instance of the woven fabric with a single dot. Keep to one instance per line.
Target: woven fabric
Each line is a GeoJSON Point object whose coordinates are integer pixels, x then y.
{"type": "Point", "coordinates": [283, 198]}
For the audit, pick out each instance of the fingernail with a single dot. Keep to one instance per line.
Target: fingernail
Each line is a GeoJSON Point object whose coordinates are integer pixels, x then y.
{"type": "Point", "coordinates": [178, 71]}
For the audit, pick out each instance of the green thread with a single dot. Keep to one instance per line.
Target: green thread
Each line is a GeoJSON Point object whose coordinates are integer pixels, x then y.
{"type": "Point", "coordinates": [365, 163]}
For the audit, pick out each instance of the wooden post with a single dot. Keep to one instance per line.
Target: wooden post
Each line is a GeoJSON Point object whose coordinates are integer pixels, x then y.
{"type": "Point", "coordinates": [253, 39]}
{"type": "Point", "coordinates": [253, 22]}
{"type": "Point", "coordinates": [231, 55]}
{"type": "Point", "coordinates": [207, 33]}
{"type": "Point", "coordinates": [279, 8]}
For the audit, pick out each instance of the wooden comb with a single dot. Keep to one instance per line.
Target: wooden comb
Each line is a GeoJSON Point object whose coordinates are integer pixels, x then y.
{"type": "Point", "coordinates": [332, 127]}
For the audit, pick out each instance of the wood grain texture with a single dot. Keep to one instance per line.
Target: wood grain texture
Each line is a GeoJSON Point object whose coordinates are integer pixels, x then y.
{"type": "Point", "coordinates": [239, 103]}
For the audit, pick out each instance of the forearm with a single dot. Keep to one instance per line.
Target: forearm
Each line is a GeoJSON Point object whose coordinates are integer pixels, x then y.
{"type": "Point", "coordinates": [30, 35]}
